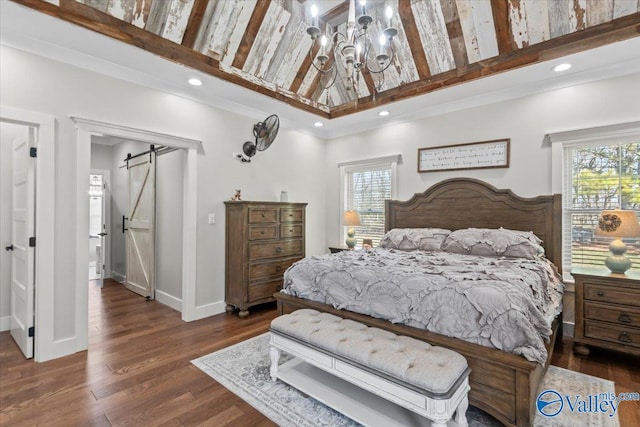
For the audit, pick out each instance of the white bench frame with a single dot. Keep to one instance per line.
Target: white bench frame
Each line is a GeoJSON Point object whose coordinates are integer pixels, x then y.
{"type": "Point", "coordinates": [362, 405]}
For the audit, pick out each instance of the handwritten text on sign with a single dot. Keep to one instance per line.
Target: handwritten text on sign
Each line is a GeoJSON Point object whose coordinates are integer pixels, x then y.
{"type": "Point", "coordinates": [490, 154]}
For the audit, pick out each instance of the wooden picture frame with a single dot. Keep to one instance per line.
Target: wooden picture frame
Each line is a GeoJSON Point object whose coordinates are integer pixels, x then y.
{"type": "Point", "coordinates": [474, 155]}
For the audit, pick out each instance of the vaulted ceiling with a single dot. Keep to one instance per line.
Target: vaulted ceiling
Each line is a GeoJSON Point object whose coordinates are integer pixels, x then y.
{"type": "Point", "coordinates": [262, 44]}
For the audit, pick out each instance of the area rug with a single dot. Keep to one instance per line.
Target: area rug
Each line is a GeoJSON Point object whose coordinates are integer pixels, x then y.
{"type": "Point", "coordinates": [244, 369]}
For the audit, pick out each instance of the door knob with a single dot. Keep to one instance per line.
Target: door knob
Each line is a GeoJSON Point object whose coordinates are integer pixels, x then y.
{"type": "Point", "coordinates": [102, 234]}
{"type": "Point", "coordinates": [8, 248]}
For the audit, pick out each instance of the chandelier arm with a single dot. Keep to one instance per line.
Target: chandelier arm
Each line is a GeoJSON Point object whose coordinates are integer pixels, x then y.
{"type": "Point", "coordinates": [390, 61]}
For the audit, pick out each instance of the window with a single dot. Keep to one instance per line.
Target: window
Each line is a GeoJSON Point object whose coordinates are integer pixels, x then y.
{"type": "Point", "coordinates": [365, 187]}
{"type": "Point", "coordinates": [598, 175]}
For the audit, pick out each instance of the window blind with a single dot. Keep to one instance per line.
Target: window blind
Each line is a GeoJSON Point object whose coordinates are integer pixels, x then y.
{"type": "Point", "coordinates": [597, 177]}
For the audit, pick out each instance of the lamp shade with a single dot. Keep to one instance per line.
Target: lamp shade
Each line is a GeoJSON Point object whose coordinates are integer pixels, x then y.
{"type": "Point", "coordinates": [351, 218]}
{"type": "Point", "coordinates": [618, 223]}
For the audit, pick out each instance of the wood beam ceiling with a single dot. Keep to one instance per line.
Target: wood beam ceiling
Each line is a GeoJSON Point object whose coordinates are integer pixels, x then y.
{"type": "Point", "coordinates": [194, 24]}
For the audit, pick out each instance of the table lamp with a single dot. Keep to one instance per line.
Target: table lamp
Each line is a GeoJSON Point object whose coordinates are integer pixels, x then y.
{"type": "Point", "coordinates": [351, 219]}
{"type": "Point", "coordinates": [618, 224]}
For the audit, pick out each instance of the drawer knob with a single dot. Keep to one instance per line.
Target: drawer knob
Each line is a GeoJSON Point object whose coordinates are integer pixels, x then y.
{"type": "Point", "coordinates": [600, 293]}
{"type": "Point", "coordinates": [290, 231]}
{"type": "Point", "coordinates": [278, 249]}
{"type": "Point", "coordinates": [624, 317]}
{"type": "Point", "coordinates": [278, 269]}
{"type": "Point", "coordinates": [290, 215]}
{"type": "Point", "coordinates": [624, 337]}
{"type": "Point", "coordinates": [262, 215]}
{"type": "Point", "coordinates": [262, 232]}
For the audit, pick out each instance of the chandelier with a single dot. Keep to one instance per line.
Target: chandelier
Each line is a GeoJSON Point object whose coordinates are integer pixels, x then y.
{"type": "Point", "coordinates": [352, 50]}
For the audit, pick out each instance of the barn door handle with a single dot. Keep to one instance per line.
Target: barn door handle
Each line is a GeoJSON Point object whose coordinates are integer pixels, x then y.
{"type": "Point", "coordinates": [8, 248]}
{"type": "Point", "coordinates": [124, 218]}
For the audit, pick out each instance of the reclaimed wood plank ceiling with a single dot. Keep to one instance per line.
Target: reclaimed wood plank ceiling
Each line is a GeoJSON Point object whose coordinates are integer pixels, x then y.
{"type": "Point", "coordinates": [263, 45]}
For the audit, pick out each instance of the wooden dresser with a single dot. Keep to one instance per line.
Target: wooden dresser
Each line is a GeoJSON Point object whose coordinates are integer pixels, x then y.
{"type": "Point", "coordinates": [262, 240]}
{"type": "Point", "coordinates": [607, 311]}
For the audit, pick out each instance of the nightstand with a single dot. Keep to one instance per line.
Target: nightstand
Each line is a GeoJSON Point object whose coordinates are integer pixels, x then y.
{"type": "Point", "coordinates": [336, 249]}
{"type": "Point", "coordinates": [607, 311]}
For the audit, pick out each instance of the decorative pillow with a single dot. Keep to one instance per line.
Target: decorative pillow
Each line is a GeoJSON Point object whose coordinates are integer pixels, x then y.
{"type": "Point", "coordinates": [410, 239]}
{"type": "Point", "coordinates": [492, 242]}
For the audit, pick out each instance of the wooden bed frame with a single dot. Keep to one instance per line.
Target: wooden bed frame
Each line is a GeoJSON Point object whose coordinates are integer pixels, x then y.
{"type": "Point", "coordinates": [504, 385]}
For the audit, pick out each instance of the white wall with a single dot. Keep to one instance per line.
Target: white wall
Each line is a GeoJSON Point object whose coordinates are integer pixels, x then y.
{"type": "Point", "coordinates": [526, 121]}
{"type": "Point", "coordinates": [293, 163]}
{"type": "Point", "coordinates": [101, 156]}
{"type": "Point", "coordinates": [8, 132]}
{"type": "Point", "coordinates": [169, 194]}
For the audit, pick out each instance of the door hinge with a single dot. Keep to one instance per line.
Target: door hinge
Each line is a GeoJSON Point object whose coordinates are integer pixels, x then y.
{"type": "Point", "coordinates": [32, 242]}
{"type": "Point", "coordinates": [33, 152]}
{"type": "Point", "coordinates": [32, 331]}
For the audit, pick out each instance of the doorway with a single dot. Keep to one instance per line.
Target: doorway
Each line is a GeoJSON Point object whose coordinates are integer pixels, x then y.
{"type": "Point", "coordinates": [85, 130]}
{"type": "Point", "coordinates": [42, 137]}
{"type": "Point", "coordinates": [99, 226]}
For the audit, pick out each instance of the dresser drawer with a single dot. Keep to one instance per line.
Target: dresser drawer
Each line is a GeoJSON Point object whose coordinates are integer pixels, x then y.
{"type": "Point", "coordinates": [291, 230]}
{"type": "Point", "coordinates": [610, 294]}
{"type": "Point", "coordinates": [612, 333]}
{"type": "Point", "coordinates": [261, 271]}
{"type": "Point", "coordinates": [261, 215]}
{"type": "Point", "coordinates": [264, 289]}
{"type": "Point", "coordinates": [290, 215]}
{"type": "Point", "coordinates": [262, 232]}
{"type": "Point", "coordinates": [283, 248]}
{"type": "Point", "coordinates": [623, 315]}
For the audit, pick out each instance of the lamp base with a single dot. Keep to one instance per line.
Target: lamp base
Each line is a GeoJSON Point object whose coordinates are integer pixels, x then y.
{"type": "Point", "coordinates": [351, 240]}
{"type": "Point", "coordinates": [617, 262]}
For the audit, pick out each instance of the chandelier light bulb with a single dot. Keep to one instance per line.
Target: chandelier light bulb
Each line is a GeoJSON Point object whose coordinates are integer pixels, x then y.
{"type": "Point", "coordinates": [314, 15]}
{"type": "Point", "coordinates": [389, 15]}
{"type": "Point", "coordinates": [363, 3]}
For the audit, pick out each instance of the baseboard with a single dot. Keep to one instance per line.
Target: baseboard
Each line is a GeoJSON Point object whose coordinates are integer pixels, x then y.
{"type": "Point", "coordinates": [202, 311]}
{"type": "Point", "coordinates": [118, 277]}
{"type": "Point", "coordinates": [5, 323]}
{"type": "Point", "coordinates": [169, 300]}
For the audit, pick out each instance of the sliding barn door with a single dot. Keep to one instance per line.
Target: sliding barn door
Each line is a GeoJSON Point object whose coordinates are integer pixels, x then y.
{"type": "Point", "coordinates": [140, 235]}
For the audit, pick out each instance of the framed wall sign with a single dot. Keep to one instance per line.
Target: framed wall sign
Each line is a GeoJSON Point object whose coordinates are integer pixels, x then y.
{"type": "Point", "coordinates": [474, 155]}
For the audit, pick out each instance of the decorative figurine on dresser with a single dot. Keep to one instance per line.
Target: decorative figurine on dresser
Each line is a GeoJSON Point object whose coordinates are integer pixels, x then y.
{"type": "Point", "coordinates": [262, 240]}
{"type": "Point", "coordinates": [607, 311]}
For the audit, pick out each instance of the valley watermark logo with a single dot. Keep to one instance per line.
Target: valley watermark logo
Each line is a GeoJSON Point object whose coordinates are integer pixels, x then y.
{"type": "Point", "coordinates": [550, 403]}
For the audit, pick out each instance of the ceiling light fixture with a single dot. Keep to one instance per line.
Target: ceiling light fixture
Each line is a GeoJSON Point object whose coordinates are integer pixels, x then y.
{"type": "Point", "coordinates": [383, 113]}
{"type": "Point", "coordinates": [318, 124]}
{"type": "Point", "coordinates": [561, 67]}
{"type": "Point", "coordinates": [354, 51]}
{"type": "Point", "coordinates": [195, 82]}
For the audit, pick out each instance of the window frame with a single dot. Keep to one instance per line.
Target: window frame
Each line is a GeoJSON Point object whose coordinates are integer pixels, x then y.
{"type": "Point", "coordinates": [561, 179]}
{"type": "Point", "coordinates": [363, 165]}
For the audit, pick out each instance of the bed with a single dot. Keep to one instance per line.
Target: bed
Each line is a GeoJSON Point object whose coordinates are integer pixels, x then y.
{"type": "Point", "coordinates": [503, 384]}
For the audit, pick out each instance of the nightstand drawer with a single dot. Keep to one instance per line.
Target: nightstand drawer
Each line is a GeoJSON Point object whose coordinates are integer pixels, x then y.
{"type": "Point", "coordinates": [612, 295]}
{"type": "Point", "coordinates": [623, 315]}
{"type": "Point", "coordinates": [616, 334]}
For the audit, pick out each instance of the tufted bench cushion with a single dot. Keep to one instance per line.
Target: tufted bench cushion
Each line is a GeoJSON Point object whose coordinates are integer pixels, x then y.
{"type": "Point", "coordinates": [433, 369]}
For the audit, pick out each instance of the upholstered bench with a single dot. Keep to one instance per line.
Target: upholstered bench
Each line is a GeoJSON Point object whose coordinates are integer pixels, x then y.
{"type": "Point", "coordinates": [377, 375]}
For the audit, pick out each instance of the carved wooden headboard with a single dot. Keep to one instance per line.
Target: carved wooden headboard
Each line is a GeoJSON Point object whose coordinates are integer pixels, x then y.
{"type": "Point", "coordinates": [465, 202]}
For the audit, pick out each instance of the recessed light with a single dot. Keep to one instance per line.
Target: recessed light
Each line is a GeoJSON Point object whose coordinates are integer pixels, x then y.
{"type": "Point", "coordinates": [195, 82]}
{"type": "Point", "coordinates": [561, 67]}
{"type": "Point", "coordinates": [318, 124]}
{"type": "Point", "coordinates": [383, 113]}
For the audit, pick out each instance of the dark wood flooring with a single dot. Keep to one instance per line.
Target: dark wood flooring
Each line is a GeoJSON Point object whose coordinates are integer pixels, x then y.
{"type": "Point", "coordinates": [138, 372]}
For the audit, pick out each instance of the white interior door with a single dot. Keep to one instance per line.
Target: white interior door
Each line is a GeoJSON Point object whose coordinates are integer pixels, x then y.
{"type": "Point", "coordinates": [22, 252]}
{"type": "Point", "coordinates": [140, 233]}
{"type": "Point", "coordinates": [97, 228]}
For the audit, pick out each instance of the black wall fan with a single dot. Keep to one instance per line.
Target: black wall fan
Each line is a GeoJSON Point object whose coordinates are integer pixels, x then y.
{"type": "Point", "coordinates": [265, 133]}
